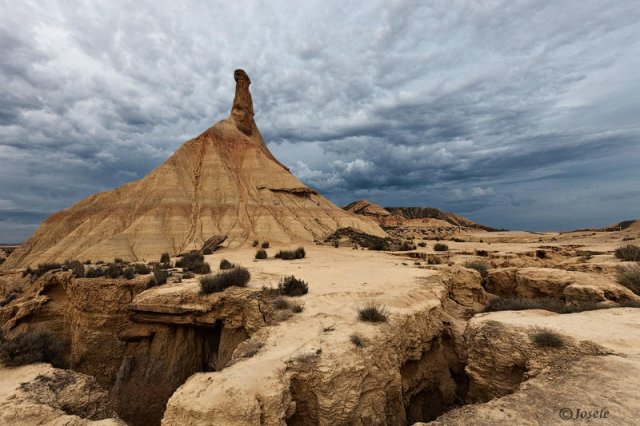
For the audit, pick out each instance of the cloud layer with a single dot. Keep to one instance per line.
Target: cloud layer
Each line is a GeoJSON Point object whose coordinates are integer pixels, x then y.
{"type": "Point", "coordinates": [519, 114]}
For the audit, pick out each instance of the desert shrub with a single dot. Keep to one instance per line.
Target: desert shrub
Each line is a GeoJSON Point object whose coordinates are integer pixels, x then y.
{"type": "Point", "coordinates": [43, 268]}
{"type": "Point", "coordinates": [296, 309]}
{"type": "Point", "coordinates": [128, 273]}
{"type": "Point", "coordinates": [629, 252]}
{"type": "Point", "coordinates": [165, 258]}
{"type": "Point", "coordinates": [238, 277]}
{"type": "Point", "coordinates": [94, 273]}
{"type": "Point", "coordinates": [357, 340]}
{"type": "Point", "coordinates": [521, 304]}
{"type": "Point", "coordinates": [118, 260]}
{"type": "Point", "coordinates": [261, 254]}
{"type": "Point", "coordinates": [141, 269]}
{"type": "Point", "coordinates": [422, 244]}
{"type": "Point", "coordinates": [406, 246]}
{"type": "Point", "coordinates": [225, 264]}
{"type": "Point", "coordinates": [281, 303]}
{"type": "Point", "coordinates": [265, 245]}
{"type": "Point", "coordinates": [32, 347]}
{"type": "Point", "coordinates": [193, 262]}
{"type": "Point", "coordinates": [187, 275]}
{"type": "Point", "coordinates": [159, 275]}
{"type": "Point", "coordinates": [113, 270]}
{"type": "Point", "coordinates": [541, 254]}
{"type": "Point", "coordinates": [76, 267]}
{"type": "Point", "coordinates": [440, 247]}
{"type": "Point", "coordinates": [298, 253]}
{"type": "Point", "coordinates": [481, 267]}
{"type": "Point", "coordinates": [434, 260]}
{"type": "Point", "coordinates": [292, 286]}
{"type": "Point", "coordinates": [630, 278]}
{"type": "Point", "coordinates": [482, 253]}
{"type": "Point", "coordinates": [548, 339]}
{"type": "Point", "coordinates": [99, 262]}
{"type": "Point", "coordinates": [255, 243]}
{"type": "Point", "coordinates": [372, 313]}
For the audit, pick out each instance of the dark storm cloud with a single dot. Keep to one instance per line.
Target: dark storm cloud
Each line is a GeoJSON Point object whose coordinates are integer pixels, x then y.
{"type": "Point", "coordinates": [518, 113]}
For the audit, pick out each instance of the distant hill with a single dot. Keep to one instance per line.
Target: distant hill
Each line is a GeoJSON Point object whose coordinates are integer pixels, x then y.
{"type": "Point", "coordinates": [427, 216]}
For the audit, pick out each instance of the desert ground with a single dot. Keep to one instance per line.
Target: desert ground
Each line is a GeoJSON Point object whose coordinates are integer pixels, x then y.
{"type": "Point", "coordinates": [169, 354]}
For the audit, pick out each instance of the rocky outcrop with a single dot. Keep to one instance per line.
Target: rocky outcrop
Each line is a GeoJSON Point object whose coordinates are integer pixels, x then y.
{"type": "Point", "coordinates": [41, 394]}
{"type": "Point", "coordinates": [573, 287]}
{"type": "Point", "coordinates": [533, 385]}
{"type": "Point", "coordinates": [223, 182]}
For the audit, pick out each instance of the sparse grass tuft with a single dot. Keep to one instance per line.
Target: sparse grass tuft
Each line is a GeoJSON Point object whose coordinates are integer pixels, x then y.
{"type": "Point", "coordinates": [292, 286]}
{"type": "Point", "coordinates": [372, 313]}
{"type": "Point", "coordinates": [296, 309]}
{"type": "Point", "coordinates": [281, 303]}
{"type": "Point", "coordinates": [548, 339]}
{"type": "Point", "coordinates": [33, 347]}
{"type": "Point", "coordinates": [440, 247]}
{"type": "Point", "coordinates": [629, 253]}
{"type": "Point", "coordinates": [630, 277]}
{"type": "Point", "coordinates": [479, 266]}
{"type": "Point", "coordinates": [236, 277]}
{"type": "Point", "coordinates": [357, 340]}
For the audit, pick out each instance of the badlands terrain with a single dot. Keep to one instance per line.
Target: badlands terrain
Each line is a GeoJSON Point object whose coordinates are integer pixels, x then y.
{"type": "Point", "coordinates": [220, 290]}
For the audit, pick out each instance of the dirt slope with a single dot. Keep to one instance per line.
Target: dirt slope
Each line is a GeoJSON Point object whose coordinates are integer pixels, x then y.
{"type": "Point", "coordinates": [224, 181]}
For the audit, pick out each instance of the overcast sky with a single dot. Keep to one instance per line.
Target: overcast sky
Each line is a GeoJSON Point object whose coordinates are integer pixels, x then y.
{"type": "Point", "coordinates": [516, 114]}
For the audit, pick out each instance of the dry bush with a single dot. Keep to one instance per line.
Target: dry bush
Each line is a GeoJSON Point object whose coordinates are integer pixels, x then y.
{"type": "Point", "coordinates": [548, 339]}
{"type": "Point", "coordinates": [281, 303]}
{"type": "Point", "coordinates": [629, 253]}
{"type": "Point", "coordinates": [236, 277]}
{"type": "Point", "coordinates": [372, 313]}
{"type": "Point", "coordinates": [33, 347]}
{"type": "Point", "coordinates": [193, 262]}
{"type": "Point", "coordinates": [225, 264]}
{"type": "Point", "coordinates": [292, 286]}
{"type": "Point", "coordinates": [479, 266]}
{"type": "Point", "coordinates": [261, 254]}
{"type": "Point", "coordinates": [440, 247]}
{"type": "Point", "coordinates": [357, 340]}
{"type": "Point", "coordinates": [630, 278]}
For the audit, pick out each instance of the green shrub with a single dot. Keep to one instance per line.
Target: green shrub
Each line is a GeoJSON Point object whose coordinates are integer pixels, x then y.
{"type": "Point", "coordinates": [440, 247]}
{"type": "Point", "coordinates": [261, 254]}
{"type": "Point", "coordinates": [630, 278]}
{"type": "Point", "coordinates": [225, 264]}
{"type": "Point", "coordinates": [548, 339]}
{"type": "Point", "coordinates": [292, 286]}
{"type": "Point", "coordinates": [481, 267]}
{"type": "Point", "coordinates": [165, 258]}
{"type": "Point", "coordinates": [265, 245]}
{"type": "Point", "coordinates": [238, 277]}
{"type": "Point", "coordinates": [372, 313]}
{"type": "Point", "coordinates": [33, 347]}
{"type": "Point", "coordinates": [629, 253]}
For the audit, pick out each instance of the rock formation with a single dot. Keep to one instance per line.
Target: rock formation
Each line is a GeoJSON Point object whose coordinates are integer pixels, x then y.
{"type": "Point", "coordinates": [223, 182]}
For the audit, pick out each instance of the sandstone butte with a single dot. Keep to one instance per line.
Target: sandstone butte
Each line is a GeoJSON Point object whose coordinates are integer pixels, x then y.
{"type": "Point", "coordinates": [223, 182]}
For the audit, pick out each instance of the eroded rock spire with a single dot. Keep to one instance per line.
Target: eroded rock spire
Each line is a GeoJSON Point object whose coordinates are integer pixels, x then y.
{"type": "Point", "coordinates": [242, 110]}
